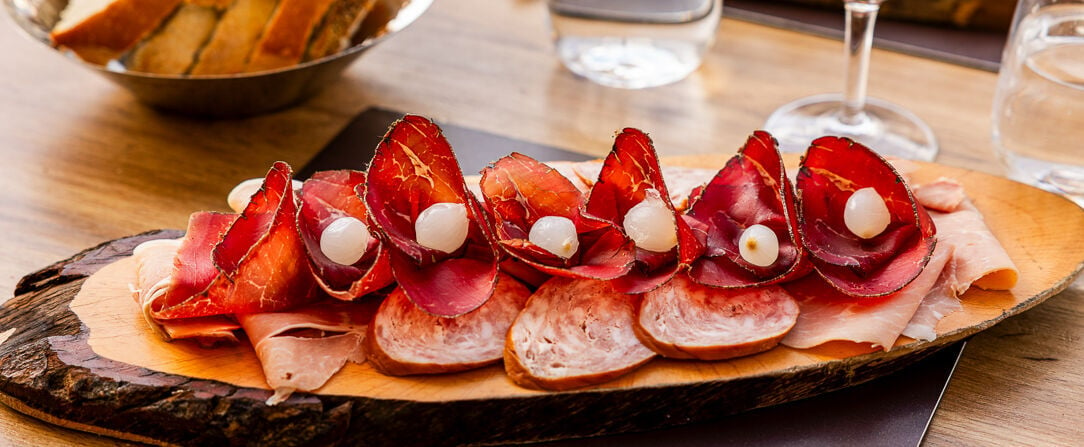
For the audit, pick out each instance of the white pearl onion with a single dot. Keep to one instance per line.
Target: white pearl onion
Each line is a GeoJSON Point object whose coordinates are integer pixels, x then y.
{"type": "Point", "coordinates": [241, 194]}
{"type": "Point", "coordinates": [650, 224]}
{"type": "Point", "coordinates": [344, 241]}
{"type": "Point", "coordinates": [866, 214]}
{"type": "Point", "coordinates": [759, 245]}
{"type": "Point", "coordinates": [442, 226]}
{"type": "Point", "coordinates": [556, 235]}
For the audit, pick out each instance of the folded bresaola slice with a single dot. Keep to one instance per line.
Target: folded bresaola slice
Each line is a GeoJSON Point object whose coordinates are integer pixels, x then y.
{"type": "Point", "coordinates": [257, 265]}
{"type": "Point", "coordinates": [301, 349]}
{"type": "Point", "coordinates": [574, 333]}
{"type": "Point", "coordinates": [752, 189]}
{"type": "Point", "coordinates": [520, 190]}
{"type": "Point", "coordinates": [325, 198]}
{"type": "Point", "coordinates": [833, 169]}
{"type": "Point", "coordinates": [404, 340]}
{"type": "Point", "coordinates": [154, 275]}
{"type": "Point", "coordinates": [413, 169]}
{"type": "Point", "coordinates": [630, 177]}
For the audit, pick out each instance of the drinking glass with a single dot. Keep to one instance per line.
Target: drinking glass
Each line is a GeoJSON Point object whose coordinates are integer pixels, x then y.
{"type": "Point", "coordinates": [882, 126]}
{"type": "Point", "coordinates": [633, 43]}
{"type": "Point", "coordinates": [1038, 111]}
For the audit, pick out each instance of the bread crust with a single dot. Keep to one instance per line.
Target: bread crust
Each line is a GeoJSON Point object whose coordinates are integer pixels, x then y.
{"type": "Point", "coordinates": [110, 32]}
{"type": "Point", "coordinates": [283, 42]}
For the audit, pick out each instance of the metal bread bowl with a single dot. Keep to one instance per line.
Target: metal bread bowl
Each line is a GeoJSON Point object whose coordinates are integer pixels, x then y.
{"type": "Point", "coordinates": [235, 95]}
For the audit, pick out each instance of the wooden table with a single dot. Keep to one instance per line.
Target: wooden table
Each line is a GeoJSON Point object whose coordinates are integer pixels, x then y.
{"type": "Point", "coordinates": [84, 163]}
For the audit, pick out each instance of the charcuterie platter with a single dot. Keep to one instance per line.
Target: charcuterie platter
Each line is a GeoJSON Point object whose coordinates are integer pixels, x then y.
{"type": "Point", "coordinates": [76, 351]}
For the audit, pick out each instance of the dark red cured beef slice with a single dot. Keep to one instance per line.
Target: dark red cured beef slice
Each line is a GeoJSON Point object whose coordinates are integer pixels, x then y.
{"type": "Point", "coordinates": [260, 260]}
{"type": "Point", "coordinates": [327, 196]}
{"type": "Point", "coordinates": [751, 189]}
{"type": "Point", "coordinates": [629, 171]}
{"type": "Point", "coordinates": [414, 168]}
{"type": "Point", "coordinates": [193, 269]}
{"type": "Point", "coordinates": [831, 171]}
{"type": "Point", "coordinates": [519, 190]}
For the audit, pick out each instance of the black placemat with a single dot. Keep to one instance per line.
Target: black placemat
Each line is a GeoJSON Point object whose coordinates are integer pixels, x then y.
{"type": "Point", "coordinates": [891, 411]}
{"type": "Point", "coordinates": [973, 48]}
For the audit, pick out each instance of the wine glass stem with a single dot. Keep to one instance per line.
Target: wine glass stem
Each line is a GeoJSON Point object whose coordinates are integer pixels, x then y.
{"type": "Point", "coordinates": [861, 16]}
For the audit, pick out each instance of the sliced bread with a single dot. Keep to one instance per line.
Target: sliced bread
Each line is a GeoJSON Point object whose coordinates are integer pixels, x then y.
{"type": "Point", "coordinates": [336, 31]}
{"type": "Point", "coordinates": [99, 31]}
{"type": "Point", "coordinates": [173, 49]}
{"type": "Point", "coordinates": [284, 40]}
{"type": "Point", "coordinates": [234, 38]}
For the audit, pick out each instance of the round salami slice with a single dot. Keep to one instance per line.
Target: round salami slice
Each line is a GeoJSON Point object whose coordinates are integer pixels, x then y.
{"type": "Point", "coordinates": [686, 320]}
{"type": "Point", "coordinates": [412, 171]}
{"type": "Point", "coordinates": [574, 333]}
{"type": "Point", "coordinates": [833, 170]}
{"type": "Point", "coordinates": [259, 261]}
{"type": "Point", "coordinates": [631, 194]}
{"type": "Point", "coordinates": [520, 191]}
{"type": "Point", "coordinates": [751, 190]}
{"type": "Point", "coordinates": [329, 197]}
{"type": "Point", "coordinates": [404, 340]}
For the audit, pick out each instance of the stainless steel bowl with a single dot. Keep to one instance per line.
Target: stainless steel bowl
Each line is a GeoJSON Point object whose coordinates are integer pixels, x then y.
{"type": "Point", "coordinates": [228, 95]}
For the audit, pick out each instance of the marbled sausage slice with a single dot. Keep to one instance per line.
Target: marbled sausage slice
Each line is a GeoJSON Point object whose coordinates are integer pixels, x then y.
{"type": "Point", "coordinates": [574, 333]}
{"type": "Point", "coordinates": [404, 339]}
{"type": "Point", "coordinates": [683, 319]}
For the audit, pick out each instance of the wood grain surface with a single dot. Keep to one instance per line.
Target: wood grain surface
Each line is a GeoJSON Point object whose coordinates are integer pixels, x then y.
{"type": "Point", "coordinates": [84, 163]}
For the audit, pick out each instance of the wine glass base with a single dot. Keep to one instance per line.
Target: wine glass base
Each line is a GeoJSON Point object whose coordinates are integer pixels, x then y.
{"type": "Point", "coordinates": [888, 129]}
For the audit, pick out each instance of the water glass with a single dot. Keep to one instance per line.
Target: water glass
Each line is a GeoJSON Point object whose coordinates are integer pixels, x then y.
{"type": "Point", "coordinates": [633, 43]}
{"type": "Point", "coordinates": [1039, 105]}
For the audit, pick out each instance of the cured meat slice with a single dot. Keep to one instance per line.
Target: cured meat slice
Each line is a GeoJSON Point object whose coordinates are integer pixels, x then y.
{"type": "Point", "coordinates": [326, 197]}
{"type": "Point", "coordinates": [154, 260]}
{"type": "Point", "coordinates": [413, 169]}
{"type": "Point", "coordinates": [683, 319]}
{"type": "Point", "coordinates": [826, 314]}
{"type": "Point", "coordinates": [301, 349]}
{"type": "Point", "coordinates": [631, 175]}
{"type": "Point", "coordinates": [519, 191]}
{"type": "Point", "coordinates": [574, 333]}
{"type": "Point", "coordinates": [941, 301]}
{"type": "Point", "coordinates": [259, 261]}
{"type": "Point", "coordinates": [752, 189]}
{"type": "Point", "coordinates": [944, 194]}
{"type": "Point", "coordinates": [681, 181]}
{"type": "Point", "coordinates": [403, 339]}
{"type": "Point", "coordinates": [833, 169]}
{"type": "Point", "coordinates": [980, 258]}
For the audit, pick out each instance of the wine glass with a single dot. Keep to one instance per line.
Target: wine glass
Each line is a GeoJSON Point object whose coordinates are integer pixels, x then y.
{"type": "Point", "coordinates": [884, 127]}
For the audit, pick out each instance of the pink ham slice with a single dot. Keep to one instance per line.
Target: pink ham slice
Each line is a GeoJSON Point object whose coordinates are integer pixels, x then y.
{"type": "Point", "coordinates": [301, 349]}
{"type": "Point", "coordinates": [154, 260]}
{"type": "Point", "coordinates": [404, 339]}
{"type": "Point", "coordinates": [942, 300]}
{"type": "Point", "coordinates": [980, 259]}
{"type": "Point", "coordinates": [829, 315]}
{"type": "Point", "coordinates": [574, 333]}
{"type": "Point", "coordinates": [683, 319]}
{"type": "Point", "coordinates": [326, 197]}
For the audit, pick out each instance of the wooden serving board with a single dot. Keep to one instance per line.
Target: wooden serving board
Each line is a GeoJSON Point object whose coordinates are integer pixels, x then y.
{"type": "Point", "coordinates": [74, 351]}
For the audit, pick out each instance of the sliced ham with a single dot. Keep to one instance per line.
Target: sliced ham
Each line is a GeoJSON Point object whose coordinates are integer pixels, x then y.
{"type": "Point", "coordinates": [154, 275]}
{"type": "Point", "coordinates": [944, 194]}
{"type": "Point", "coordinates": [520, 190]}
{"type": "Point", "coordinates": [574, 333]}
{"type": "Point", "coordinates": [980, 259]}
{"type": "Point", "coordinates": [631, 175]}
{"type": "Point", "coordinates": [301, 349]}
{"type": "Point", "coordinates": [414, 168]}
{"type": "Point", "coordinates": [683, 319]}
{"type": "Point", "coordinates": [939, 302]}
{"type": "Point", "coordinates": [752, 189]}
{"type": "Point", "coordinates": [326, 197]}
{"type": "Point", "coordinates": [404, 339]}
{"type": "Point", "coordinates": [828, 315]}
{"type": "Point", "coordinates": [832, 170]}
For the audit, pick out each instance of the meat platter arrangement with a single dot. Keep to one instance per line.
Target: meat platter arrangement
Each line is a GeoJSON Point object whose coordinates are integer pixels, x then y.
{"type": "Point", "coordinates": [571, 279]}
{"type": "Point", "coordinates": [410, 283]}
